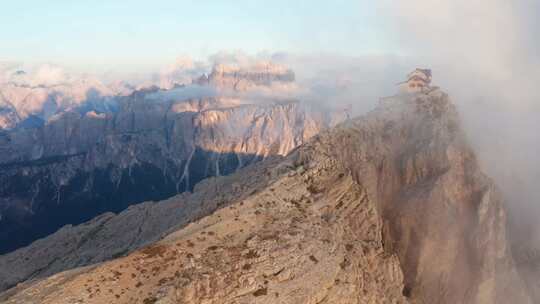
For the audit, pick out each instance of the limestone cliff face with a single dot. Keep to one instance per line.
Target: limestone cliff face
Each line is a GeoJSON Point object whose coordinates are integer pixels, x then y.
{"type": "Point", "coordinates": [442, 217]}
{"type": "Point", "coordinates": [80, 165]}
{"type": "Point", "coordinates": [388, 208]}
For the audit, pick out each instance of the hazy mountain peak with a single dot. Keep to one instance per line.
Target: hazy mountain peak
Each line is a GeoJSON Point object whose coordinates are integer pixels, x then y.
{"type": "Point", "coordinates": [241, 78]}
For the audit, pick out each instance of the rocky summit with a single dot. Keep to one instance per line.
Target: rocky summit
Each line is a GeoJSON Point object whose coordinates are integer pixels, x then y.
{"type": "Point", "coordinates": [390, 207]}
{"type": "Point", "coordinates": [241, 78]}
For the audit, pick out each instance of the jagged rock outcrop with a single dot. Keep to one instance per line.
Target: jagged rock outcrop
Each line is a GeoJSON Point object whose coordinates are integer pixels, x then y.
{"type": "Point", "coordinates": [243, 78]}
{"type": "Point", "coordinates": [443, 218]}
{"type": "Point", "coordinates": [389, 208]}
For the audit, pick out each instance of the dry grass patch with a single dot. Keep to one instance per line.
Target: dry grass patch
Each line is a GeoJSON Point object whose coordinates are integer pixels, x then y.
{"type": "Point", "coordinates": [154, 250]}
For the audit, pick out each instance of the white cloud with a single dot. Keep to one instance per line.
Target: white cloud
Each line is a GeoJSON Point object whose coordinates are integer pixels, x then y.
{"type": "Point", "coordinates": [183, 93]}
{"type": "Point", "coordinates": [33, 75]}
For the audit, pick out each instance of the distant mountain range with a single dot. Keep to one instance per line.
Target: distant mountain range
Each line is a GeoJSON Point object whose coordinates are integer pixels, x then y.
{"type": "Point", "coordinates": [70, 153]}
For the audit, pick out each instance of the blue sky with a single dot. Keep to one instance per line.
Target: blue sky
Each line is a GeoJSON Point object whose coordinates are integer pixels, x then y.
{"type": "Point", "coordinates": [141, 32]}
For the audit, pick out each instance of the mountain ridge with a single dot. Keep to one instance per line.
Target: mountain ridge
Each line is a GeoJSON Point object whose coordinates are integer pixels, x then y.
{"type": "Point", "coordinates": [389, 208]}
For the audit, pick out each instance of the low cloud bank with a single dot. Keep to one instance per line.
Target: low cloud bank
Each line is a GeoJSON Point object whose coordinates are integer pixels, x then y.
{"type": "Point", "coordinates": [34, 75]}
{"type": "Point", "coordinates": [183, 93]}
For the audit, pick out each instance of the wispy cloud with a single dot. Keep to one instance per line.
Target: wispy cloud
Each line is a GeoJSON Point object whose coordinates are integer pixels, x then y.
{"type": "Point", "coordinates": [34, 75]}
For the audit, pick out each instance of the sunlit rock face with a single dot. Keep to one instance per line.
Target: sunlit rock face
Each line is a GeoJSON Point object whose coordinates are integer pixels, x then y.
{"type": "Point", "coordinates": [243, 78]}
{"type": "Point", "coordinates": [391, 207]}
{"type": "Point", "coordinates": [86, 160]}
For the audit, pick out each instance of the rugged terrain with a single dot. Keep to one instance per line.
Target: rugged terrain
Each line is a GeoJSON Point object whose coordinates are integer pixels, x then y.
{"type": "Point", "coordinates": [150, 145]}
{"type": "Point", "coordinates": [388, 208]}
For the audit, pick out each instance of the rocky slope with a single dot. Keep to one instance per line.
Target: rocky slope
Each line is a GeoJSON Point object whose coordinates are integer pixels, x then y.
{"type": "Point", "coordinates": [152, 145]}
{"type": "Point", "coordinates": [110, 235]}
{"type": "Point", "coordinates": [388, 208]}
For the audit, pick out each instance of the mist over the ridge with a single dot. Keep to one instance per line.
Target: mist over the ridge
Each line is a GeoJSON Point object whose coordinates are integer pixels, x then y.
{"type": "Point", "coordinates": [485, 53]}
